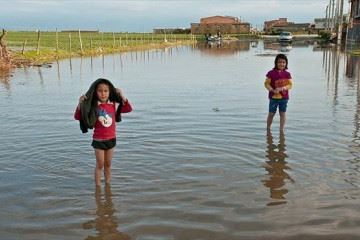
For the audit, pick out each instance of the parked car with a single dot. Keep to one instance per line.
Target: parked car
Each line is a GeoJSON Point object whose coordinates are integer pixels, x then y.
{"type": "Point", "coordinates": [285, 37]}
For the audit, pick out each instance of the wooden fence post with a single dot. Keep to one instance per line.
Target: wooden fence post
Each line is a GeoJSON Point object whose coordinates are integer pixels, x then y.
{"type": "Point", "coordinates": [102, 40]}
{"type": "Point", "coordinates": [113, 41]}
{"type": "Point", "coordinates": [81, 46]}
{"type": "Point", "coordinates": [38, 42]}
{"type": "Point", "coordinates": [91, 42]}
{"type": "Point", "coordinates": [70, 44]}
{"type": "Point", "coordinates": [3, 48]}
{"type": "Point", "coordinates": [57, 42]}
{"type": "Point", "coordinates": [23, 47]}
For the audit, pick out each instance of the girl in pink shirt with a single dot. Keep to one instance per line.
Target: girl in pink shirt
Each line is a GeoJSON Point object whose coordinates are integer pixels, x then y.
{"type": "Point", "coordinates": [278, 82]}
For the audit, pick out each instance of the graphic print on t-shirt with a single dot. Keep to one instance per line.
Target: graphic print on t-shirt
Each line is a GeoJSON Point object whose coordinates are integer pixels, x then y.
{"type": "Point", "coordinates": [104, 117]}
{"type": "Point", "coordinates": [281, 83]}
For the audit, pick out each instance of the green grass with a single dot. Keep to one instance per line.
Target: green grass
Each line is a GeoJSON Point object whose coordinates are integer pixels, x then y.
{"type": "Point", "coordinates": [54, 45]}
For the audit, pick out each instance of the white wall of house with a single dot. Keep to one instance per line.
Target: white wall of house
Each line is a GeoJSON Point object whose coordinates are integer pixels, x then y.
{"type": "Point", "coordinates": [321, 23]}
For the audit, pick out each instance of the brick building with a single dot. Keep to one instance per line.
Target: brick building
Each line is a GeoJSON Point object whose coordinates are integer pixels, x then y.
{"type": "Point", "coordinates": [293, 27]}
{"type": "Point", "coordinates": [281, 24]}
{"type": "Point", "coordinates": [268, 25]}
{"type": "Point", "coordinates": [223, 24]}
{"type": "Point", "coordinates": [353, 35]}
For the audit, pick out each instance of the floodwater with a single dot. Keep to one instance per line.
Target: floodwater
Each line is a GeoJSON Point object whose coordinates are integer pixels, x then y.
{"type": "Point", "coordinates": [193, 159]}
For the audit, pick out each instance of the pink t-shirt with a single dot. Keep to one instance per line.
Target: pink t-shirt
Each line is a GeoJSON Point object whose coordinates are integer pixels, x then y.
{"type": "Point", "coordinates": [279, 79]}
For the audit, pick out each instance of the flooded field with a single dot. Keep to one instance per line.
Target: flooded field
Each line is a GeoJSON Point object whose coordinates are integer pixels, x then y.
{"type": "Point", "coordinates": [194, 160]}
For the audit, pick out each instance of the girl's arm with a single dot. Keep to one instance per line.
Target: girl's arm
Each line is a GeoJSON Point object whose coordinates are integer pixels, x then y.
{"type": "Point", "coordinates": [77, 114]}
{"type": "Point", "coordinates": [289, 86]}
{"type": "Point", "coordinates": [121, 94]}
{"type": "Point", "coordinates": [267, 84]}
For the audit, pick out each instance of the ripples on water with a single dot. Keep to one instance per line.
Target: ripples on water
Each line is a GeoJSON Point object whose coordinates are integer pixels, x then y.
{"type": "Point", "coordinates": [194, 160]}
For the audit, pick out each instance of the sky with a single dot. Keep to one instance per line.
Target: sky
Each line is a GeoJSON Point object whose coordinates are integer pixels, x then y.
{"type": "Point", "coordinates": [145, 15]}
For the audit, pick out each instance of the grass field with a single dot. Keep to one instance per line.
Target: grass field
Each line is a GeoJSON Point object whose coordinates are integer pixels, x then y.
{"type": "Point", "coordinates": [48, 46]}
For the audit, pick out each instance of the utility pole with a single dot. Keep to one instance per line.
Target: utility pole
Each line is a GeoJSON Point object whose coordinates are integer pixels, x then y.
{"type": "Point", "coordinates": [329, 16]}
{"type": "Point", "coordinates": [332, 16]}
{"type": "Point", "coordinates": [339, 35]}
{"type": "Point", "coordinates": [336, 16]}
{"type": "Point", "coordinates": [326, 19]}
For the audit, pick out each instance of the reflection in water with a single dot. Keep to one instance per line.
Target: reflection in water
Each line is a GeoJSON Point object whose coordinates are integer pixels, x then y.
{"type": "Point", "coordinates": [58, 70]}
{"type": "Point", "coordinates": [105, 223]}
{"type": "Point", "coordinates": [5, 77]}
{"type": "Point", "coordinates": [91, 64]}
{"type": "Point", "coordinates": [81, 67]}
{"type": "Point", "coordinates": [41, 77]}
{"type": "Point", "coordinates": [278, 46]}
{"type": "Point", "coordinates": [332, 57]}
{"type": "Point", "coordinates": [70, 66]}
{"type": "Point", "coordinates": [254, 44]}
{"type": "Point", "coordinates": [103, 63]}
{"type": "Point", "coordinates": [276, 166]}
{"type": "Point", "coordinates": [285, 47]}
{"type": "Point", "coordinates": [121, 61]}
{"type": "Point", "coordinates": [353, 72]}
{"type": "Point", "coordinates": [223, 47]}
{"type": "Point", "coordinates": [352, 66]}
{"type": "Point", "coordinates": [113, 63]}
{"type": "Point", "coordinates": [331, 68]}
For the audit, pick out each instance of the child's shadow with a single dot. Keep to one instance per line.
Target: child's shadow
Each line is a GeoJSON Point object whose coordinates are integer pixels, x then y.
{"type": "Point", "coordinates": [105, 223]}
{"type": "Point", "coordinates": [276, 166]}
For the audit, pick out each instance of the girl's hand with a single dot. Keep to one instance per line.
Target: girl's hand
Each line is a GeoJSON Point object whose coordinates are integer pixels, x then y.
{"type": "Point", "coordinates": [82, 98]}
{"type": "Point", "coordinates": [121, 95]}
{"type": "Point", "coordinates": [277, 90]}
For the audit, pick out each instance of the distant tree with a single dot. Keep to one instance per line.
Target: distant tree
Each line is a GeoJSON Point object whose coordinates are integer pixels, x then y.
{"type": "Point", "coordinates": [181, 31]}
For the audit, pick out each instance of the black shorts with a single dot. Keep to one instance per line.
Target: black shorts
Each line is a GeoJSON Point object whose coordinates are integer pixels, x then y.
{"type": "Point", "coordinates": [104, 145]}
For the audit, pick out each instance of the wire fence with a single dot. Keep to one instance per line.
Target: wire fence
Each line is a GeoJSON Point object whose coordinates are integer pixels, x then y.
{"type": "Point", "coordinates": [87, 41]}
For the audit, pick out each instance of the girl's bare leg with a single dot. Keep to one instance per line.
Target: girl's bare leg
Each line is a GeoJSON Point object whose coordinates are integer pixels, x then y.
{"type": "Point", "coordinates": [100, 158]}
{"type": "Point", "coordinates": [282, 121]}
{"type": "Point", "coordinates": [269, 120]}
{"type": "Point", "coordinates": [107, 164]}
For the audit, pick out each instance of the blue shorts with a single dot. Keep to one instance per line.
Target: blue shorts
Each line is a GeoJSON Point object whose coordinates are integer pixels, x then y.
{"type": "Point", "coordinates": [274, 103]}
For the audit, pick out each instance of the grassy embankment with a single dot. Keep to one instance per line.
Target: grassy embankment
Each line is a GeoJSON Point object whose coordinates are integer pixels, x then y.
{"type": "Point", "coordinates": [27, 49]}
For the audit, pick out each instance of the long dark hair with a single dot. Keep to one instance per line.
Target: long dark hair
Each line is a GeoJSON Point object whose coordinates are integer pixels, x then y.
{"type": "Point", "coordinates": [280, 56]}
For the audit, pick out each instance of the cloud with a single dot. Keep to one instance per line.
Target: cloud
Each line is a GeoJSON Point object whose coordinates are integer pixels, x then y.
{"type": "Point", "coordinates": [126, 15]}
